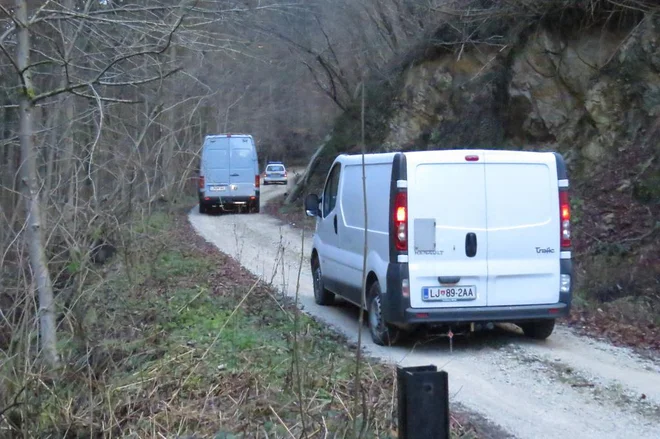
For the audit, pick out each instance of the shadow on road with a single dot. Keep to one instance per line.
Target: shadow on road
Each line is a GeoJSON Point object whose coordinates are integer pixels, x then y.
{"type": "Point", "coordinates": [421, 340]}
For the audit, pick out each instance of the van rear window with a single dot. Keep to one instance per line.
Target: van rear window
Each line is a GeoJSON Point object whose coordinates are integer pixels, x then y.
{"type": "Point", "coordinates": [275, 168]}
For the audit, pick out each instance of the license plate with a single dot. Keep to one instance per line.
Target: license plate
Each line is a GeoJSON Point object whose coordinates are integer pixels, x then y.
{"type": "Point", "coordinates": [218, 188]}
{"type": "Point", "coordinates": [449, 294]}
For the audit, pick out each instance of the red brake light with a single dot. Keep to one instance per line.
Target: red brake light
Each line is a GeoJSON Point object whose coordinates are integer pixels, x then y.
{"type": "Point", "coordinates": [472, 158]}
{"type": "Point", "coordinates": [201, 182]}
{"type": "Point", "coordinates": [401, 221]}
{"type": "Point", "coordinates": [257, 181]}
{"type": "Point", "coordinates": [565, 219]}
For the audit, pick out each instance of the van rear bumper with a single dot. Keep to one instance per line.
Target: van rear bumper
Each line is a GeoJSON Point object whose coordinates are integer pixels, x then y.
{"type": "Point", "coordinates": [215, 201]}
{"type": "Point", "coordinates": [396, 308]}
{"type": "Point", "coordinates": [485, 314]}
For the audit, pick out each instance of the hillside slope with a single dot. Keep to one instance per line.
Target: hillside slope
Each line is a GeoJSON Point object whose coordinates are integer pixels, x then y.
{"type": "Point", "coordinates": [582, 81]}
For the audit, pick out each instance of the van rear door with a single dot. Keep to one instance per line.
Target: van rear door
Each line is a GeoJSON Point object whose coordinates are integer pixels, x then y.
{"type": "Point", "coordinates": [523, 228]}
{"type": "Point", "coordinates": [242, 166]}
{"type": "Point", "coordinates": [447, 229]}
{"type": "Point", "coordinates": [215, 165]}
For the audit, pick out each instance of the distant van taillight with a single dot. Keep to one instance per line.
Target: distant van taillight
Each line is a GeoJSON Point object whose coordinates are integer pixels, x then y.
{"type": "Point", "coordinates": [257, 181]}
{"type": "Point", "coordinates": [201, 182]}
{"type": "Point", "coordinates": [565, 217]}
{"type": "Point", "coordinates": [401, 221]}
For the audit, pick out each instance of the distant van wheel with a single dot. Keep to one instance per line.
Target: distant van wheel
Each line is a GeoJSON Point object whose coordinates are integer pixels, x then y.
{"type": "Point", "coordinates": [539, 330]}
{"type": "Point", "coordinates": [321, 295]}
{"type": "Point", "coordinates": [203, 209]}
{"type": "Point", "coordinates": [255, 207]}
{"type": "Point", "coordinates": [381, 333]}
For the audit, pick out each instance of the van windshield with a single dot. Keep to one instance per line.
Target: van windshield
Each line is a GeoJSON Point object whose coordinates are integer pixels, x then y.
{"type": "Point", "coordinates": [275, 168]}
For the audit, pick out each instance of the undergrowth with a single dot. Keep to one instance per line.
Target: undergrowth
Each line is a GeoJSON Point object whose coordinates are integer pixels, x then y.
{"type": "Point", "coordinates": [189, 344]}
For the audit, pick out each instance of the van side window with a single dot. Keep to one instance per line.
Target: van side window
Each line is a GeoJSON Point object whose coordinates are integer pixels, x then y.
{"type": "Point", "coordinates": [331, 190]}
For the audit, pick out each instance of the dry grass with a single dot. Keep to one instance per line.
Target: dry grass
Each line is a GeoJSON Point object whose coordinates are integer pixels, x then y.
{"type": "Point", "coordinates": [193, 346]}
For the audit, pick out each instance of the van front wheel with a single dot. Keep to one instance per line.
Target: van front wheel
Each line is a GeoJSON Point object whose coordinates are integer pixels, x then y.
{"type": "Point", "coordinates": [321, 295]}
{"type": "Point", "coordinates": [381, 333]}
{"type": "Point", "coordinates": [539, 330]}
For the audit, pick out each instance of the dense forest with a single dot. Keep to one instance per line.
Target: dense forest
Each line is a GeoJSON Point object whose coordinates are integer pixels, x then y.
{"type": "Point", "coordinates": [104, 105]}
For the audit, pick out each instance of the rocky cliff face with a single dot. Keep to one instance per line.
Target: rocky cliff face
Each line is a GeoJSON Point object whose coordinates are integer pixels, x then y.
{"type": "Point", "coordinates": [593, 94]}
{"type": "Point", "coordinates": [588, 94]}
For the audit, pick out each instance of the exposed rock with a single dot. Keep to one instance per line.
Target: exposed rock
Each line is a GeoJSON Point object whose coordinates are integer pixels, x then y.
{"type": "Point", "coordinates": [603, 103]}
{"type": "Point", "coordinates": [444, 99]}
{"type": "Point", "coordinates": [594, 151]}
{"type": "Point", "coordinates": [651, 97]}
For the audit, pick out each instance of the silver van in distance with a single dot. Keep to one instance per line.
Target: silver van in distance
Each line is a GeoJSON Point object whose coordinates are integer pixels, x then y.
{"type": "Point", "coordinates": [229, 173]}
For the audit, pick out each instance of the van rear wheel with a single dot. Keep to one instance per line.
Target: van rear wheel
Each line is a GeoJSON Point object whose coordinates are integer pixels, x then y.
{"type": "Point", "coordinates": [539, 329]}
{"type": "Point", "coordinates": [321, 295]}
{"type": "Point", "coordinates": [381, 333]}
{"type": "Point", "coordinates": [254, 208]}
{"type": "Point", "coordinates": [202, 208]}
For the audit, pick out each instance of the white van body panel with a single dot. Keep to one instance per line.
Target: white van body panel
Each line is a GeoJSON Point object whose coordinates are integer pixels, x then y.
{"type": "Point", "coordinates": [378, 174]}
{"type": "Point", "coordinates": [341, 253]}
{"type": "Point", "coordinates": [523, 228]}
{"type": "Point", "coordinates": [486, 222]}
{"type": "Point", "coordinates": [444, 188]}
{"type": "Point", "coordinates": [510, 201]}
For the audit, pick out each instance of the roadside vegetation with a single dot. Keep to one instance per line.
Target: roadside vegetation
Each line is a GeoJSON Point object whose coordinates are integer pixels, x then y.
{"type": "Point", "coordinates": [182, 341]}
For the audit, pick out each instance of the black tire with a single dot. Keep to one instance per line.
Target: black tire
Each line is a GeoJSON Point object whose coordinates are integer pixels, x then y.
{"type": "Point", "coordinates": [538, 330]}
{"type": "Point", "coordinates": [382, 333]}
{"type": "Point", "coordinates": [256, 206]}
{"type": "Point", "coordinates": [202, 208]}
{"type": "Point", "coordinates": [322, 296]}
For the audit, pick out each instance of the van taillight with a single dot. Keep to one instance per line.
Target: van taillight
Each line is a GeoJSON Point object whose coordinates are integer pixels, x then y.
{"type": "Point", "coordinates": [565, 218]}
{"type": "Point", "coordinates": [201, 182]}
{"type": "Point", "coordinates": [401, 221]}
{"type": "Point", "coordinates": [257, 181]}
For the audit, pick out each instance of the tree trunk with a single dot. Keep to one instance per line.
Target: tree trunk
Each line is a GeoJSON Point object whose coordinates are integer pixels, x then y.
{"type": "Point", "coordinates": [36, 252]}
{"type": "Point", "coordinates": [302, 182]}
{"type": "Point", "coordinates": [169, 172]}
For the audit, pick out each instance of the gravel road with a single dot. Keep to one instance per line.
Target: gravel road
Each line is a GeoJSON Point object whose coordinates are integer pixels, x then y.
{"type": "Point", "coordinates": [566, 387]}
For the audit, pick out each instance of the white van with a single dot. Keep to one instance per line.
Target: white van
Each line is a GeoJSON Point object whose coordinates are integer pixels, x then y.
{"type": "Point", "coordinates": [229, 173]}
{"type": "Point", "coordinates": [456, 238]}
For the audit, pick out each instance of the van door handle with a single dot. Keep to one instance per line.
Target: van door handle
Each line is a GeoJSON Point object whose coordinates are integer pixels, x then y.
{"type": "Point", "coordinates": [470, 245]}
{"type": "Point", "coordinates": [234, 175]}
{"type": "Point", "coordinates": [449, 280]}
{"type": "Point", "coordinates": [335, 222]}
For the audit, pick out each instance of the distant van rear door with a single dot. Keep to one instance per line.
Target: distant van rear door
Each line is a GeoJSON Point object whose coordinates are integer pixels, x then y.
{"type": "Point", "coordinates": [243, 166]}
{"type": "Point", "coordinates": [215, 164]}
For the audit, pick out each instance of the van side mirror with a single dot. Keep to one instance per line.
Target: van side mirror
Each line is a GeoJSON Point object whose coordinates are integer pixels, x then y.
{"type": "Point", "coordinates": [312, 205]}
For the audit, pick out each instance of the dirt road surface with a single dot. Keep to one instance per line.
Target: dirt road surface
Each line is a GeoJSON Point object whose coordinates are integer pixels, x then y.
{"type": "Point", "coordinates": [565, 387]}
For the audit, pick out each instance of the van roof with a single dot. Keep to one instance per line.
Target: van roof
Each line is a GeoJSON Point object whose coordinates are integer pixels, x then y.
{"type": "Point", "coordinates": [215, 136]}
{"type": "Point", "coordinates": [356, 159]}
{"type": "Point", "coordinates": [387, 157]}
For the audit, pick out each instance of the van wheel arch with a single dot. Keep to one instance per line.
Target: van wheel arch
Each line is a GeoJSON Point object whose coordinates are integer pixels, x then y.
{"type": "Point", "coordinates": [371, 279]}
{"type": "Point", "coordinates": [382, 333]}
{"type": "Point", "coordinates": [322, 296]}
